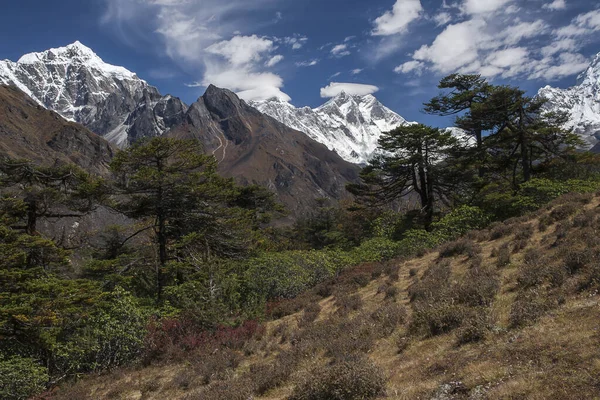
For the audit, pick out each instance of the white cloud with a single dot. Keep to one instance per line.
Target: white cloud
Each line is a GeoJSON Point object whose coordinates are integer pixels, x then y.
{"type": "Point", "coordinates": [340, 50]}
{"type": "Point", "coordinates": [410, 66]}
{"type": "Point", "coordinates": [296, 41]}
{"type": "Point", "coordinates": [457, 46]}
{"type": "Point", "coordinates": [356, 71]}
{"type": "Point", "coordinates": [248, 84]}
{"type": "Point", "coordinates": [567, 64]}
{"type": "Point", "coordinates": [513, 34]}
{"type": "Point", "coordinates": [355, 89]}
{"type": "Point", "coordinates": [558, 46]}
{"type": "Point", "coordinates": [241, 50]}
{"type": "Point", "coordinates": [556, 5]}
{"type": "Point", "coordinates": [442, 18]}
{"type": "Point", "coordinates": [307, 63]}
{"type": "Point", "coordinates": [472, 7]}
{"type": "Point", "coordinates": [399, 18]}
{"type": "Point", "coordinates": [494, 44]}
{"type": "Point", "coordinates": [203, 37]}
{"type": "Point", "coordinates": [583, 24]}
{"type": "Point", "coordinates": [274, 60]}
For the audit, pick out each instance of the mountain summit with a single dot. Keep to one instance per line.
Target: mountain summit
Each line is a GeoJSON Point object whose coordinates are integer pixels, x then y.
{"type": "Point", "coordinates": [581, 102]}
{"type": "Point", "coordinates": [349, 125]}
{"type": "Point", "coordinates": [109, 100]}
{"type": "Point", "coordinates": [254, 148]}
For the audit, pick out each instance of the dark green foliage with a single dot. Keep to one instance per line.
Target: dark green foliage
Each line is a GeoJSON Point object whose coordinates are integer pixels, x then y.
{"type": "Point", "coordinates": [21, 378]}
{"type": "Point", "coordinates": [350, 379]}
{"type": "Point", "coordinates": [459, 221]}
{"type": "Point", "coordinates": [31, 192]}
{"type": "Point", "coordinates": [172, 186]}
{"type": "Point", "coordinates": [411, 165]}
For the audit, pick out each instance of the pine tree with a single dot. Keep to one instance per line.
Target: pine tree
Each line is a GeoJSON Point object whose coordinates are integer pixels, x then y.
{"type": "Point", "coordinates": [467, 93]}
{"type": "Point", "coordinates": [32, 192]}
{"type": "Point", "coordinates": [412, 161]}
{"type": "Point", "coordinates": [524, 135]}
{"type": "Point", "coordinates": [174, 187]}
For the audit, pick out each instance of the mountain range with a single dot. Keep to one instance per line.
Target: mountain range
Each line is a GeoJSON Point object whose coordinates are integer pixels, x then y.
{"type": "Point", "coordinates": [109, 100]}
{"type": "Point", "coordinates": [301, 153]}
{"type": "Point", "coordinates": [114, 103]}
{"type": "Point", "coordinates": [581, 102]}
{"type": "Point", "coordinates": [349, 125]}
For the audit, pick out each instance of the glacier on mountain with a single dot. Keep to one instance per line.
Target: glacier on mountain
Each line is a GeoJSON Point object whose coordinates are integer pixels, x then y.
{"type": "Point", "coordinates": [347, 124]}
{"type": "Point", "coordinates": [80, 86]}
{"type": "Point", "coordinates": [580, 102]}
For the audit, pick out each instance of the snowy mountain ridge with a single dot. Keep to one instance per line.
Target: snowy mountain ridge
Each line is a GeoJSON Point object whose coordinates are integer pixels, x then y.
{"type": "Point", "coordinates": [347, 124]}
{"type": "Point", "coordinates": [581, 102]}
{"type": "Point", "coordinates": [109, 100]}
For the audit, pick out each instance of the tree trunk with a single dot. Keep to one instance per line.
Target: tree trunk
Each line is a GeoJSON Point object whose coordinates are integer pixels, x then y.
{"type": "Point", "coordinates": [525, 163]}
{"type": "Point", "coordinates": [161, 236]}
{"type": "Point", "coordinates": [31, 228]}
{"type": "Point", "coordinates": [426, 190]}
{"type": "Point", "coordinates": [162, 256]}
{"type": "Point", "coordinates": [480, 153]}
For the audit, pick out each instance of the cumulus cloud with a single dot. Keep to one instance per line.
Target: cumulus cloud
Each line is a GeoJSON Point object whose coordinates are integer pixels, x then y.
{"type": "Point", "coordinates": [354, 89]}
{"type": "Point", "coordinates": [356, 71]}
{"type": "Point", "coordinates": [556, 5]}
{"type": "Point", "coordinates": [491, 43]}
{"type": "Point", "coordinates": [410, 66]}
{"type": "Point", "coordinates": [241, 50]}
{"type": "Point", "coordinates": [204, 38]}
{"type": "Point", "coordinates": [399, 18]}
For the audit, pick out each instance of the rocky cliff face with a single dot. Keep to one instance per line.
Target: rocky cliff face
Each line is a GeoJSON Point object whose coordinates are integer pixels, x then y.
{"type": "Point", "coordinates": [28, 130]}
{"type": "Point", "coordinates": [581, 102]}
{"type": "Point", "coordinates": [109, 100]}
{"type": "Point", "coordinates": [349, 125]}
{"type": "Point", "coordinates": [257, 149]}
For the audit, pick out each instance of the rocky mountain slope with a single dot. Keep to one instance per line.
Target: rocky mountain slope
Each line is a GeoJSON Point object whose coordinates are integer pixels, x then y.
{"type": "Point", "coordinates": [348, 125]}
{"type": "Point", "coordinates": [581, 102]}
{"type": "Point", "coordinates": [256, 149]}
{"type": "Point", "coordinates": [109, 100]}
{"type": "Point", "coordinates": [27, 130]}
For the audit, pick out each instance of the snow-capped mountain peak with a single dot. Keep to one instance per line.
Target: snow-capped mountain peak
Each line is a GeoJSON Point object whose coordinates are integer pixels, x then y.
{"type": "Point", "coordinates": [348, 124]}
{"type": "Point", "coordinates": [581, 102]}
{"type": "Point", "coordinates": [110, 100]}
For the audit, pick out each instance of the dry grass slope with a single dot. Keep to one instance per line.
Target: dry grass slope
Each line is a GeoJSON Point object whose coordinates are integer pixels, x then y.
{"type": "Point", "coordinates": [508, 313]}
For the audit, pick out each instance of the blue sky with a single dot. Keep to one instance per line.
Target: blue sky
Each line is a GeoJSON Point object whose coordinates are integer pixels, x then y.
{"type": "Point", "coordinates": [307, 50]}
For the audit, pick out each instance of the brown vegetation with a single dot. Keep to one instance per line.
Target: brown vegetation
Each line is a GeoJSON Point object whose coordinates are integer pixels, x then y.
{"type": "Point", "coordinates": [494, 319]}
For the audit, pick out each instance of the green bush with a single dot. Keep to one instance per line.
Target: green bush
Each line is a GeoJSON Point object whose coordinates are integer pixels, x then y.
{"type": "Point", "coordinates": [532, 195]}
{"type": "Point", "coordinates": [21, 378]}
{"type": "Point", "coordinates": [111, 337]}
{"type": "Point", "coordinates": [460, 221]}
{"type": "Point", "coordinates": [287, 274]}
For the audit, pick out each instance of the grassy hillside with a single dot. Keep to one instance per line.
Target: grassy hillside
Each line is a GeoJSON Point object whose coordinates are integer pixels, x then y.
{"type": "Point", "coordinates": [507, 313]}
